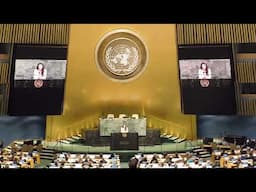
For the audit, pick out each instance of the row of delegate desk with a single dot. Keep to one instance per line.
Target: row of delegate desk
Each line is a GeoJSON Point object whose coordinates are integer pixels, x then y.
{"type": "Point", "coordinates": [93, 138]}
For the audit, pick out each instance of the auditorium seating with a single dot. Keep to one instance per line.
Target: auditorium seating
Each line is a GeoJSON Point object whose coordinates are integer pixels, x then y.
{"type": "Point", "coordinates": [72, 160]}
{"type": "Point", "coordinates": [206, 156]}
{"type": "Point", "coordinates": [172, 160]}
{"type": "Point", "coordinates": [233, 156]}
{"type": "Point", "coordinates": [207, 140]}
{"type": "Point", "coordinates": [20, 154]}
{"type": "Point", "coordinates": [238, 140]}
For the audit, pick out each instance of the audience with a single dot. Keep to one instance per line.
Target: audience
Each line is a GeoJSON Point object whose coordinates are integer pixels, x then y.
{"type": "Point", "coordinates": [17, 156]}
{"type": "Point", "coordinates": [220, 156]}
{"type": "Point", "coordinates": [133, 163]}
{"type": "Point", "coordinates": [16, 160]}
{"type": "Point", "coordinates": [70, 160]}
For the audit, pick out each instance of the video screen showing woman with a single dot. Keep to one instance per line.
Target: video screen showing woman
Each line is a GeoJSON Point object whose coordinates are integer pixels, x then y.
{"type": "Point", "coordinates": [204, 71]}
{"type": "Point", "coordinates": [40, 72]}
{"type": "Point", "coordinates": [39, 69]}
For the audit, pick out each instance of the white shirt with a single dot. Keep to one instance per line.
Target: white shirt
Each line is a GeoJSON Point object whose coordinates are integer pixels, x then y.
{"type": "Point", "coordinates": [202, 74]}
{"type": "Point", "coordinates": [124, 129]}
{"type": "Point", "coordinates": [39, 75]}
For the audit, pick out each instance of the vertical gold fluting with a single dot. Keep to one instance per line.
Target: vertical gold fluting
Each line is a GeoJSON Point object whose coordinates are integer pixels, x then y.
{"type": "Point", "coordinates": [198, 33]}
{"type": "Point", "coordinates": [179, 34]}
{"type": "Point", "coordinates": [34, 33]}
{"type": "Point", "coordinates": [245, 68]}
{"type": "Point", "coordinates": [225, 33]}
{"type": "Point", "coordinates": [253, 33]}
{"type": "Point", "coordinates": [4, 72]}
{"type": "Point", "coordinates": [216, 33]}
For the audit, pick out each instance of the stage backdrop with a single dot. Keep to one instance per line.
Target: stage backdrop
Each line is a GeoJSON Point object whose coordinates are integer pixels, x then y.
{"type": "Point", "coordinates": [89, 94]}
{"type": "Point", "coordinates": [220, 126]}
{"type": "Point", "coordinates": [22, 127]}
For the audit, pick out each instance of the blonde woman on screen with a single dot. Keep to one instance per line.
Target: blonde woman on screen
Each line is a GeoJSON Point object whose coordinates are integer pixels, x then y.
{"type": "Point", "coordinates": [40, 72]}
{"type": "Point", "coordinates": [204, 71]}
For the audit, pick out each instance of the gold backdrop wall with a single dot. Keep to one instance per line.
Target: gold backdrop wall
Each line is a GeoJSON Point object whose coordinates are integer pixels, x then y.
{"type": "Point", "coordinates": [89, 94]}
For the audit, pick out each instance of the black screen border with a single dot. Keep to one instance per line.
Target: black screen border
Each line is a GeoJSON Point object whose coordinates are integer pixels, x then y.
{"type": "Point", "coordinates": [12, 80]}
{"type": "Point", "coordinates": [230, 46]}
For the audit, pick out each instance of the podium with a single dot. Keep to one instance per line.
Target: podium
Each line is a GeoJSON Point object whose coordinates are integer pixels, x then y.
{"type": "Point", "coordinates": [124, 141]}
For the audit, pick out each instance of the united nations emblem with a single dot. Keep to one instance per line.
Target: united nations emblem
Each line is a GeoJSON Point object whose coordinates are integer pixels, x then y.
{"type": "Point", "coordinates": [38, 83]}
{"type": "Point", "coordinates": [204, 82]}
{"type": "Point", "coordinates": [121, 55]}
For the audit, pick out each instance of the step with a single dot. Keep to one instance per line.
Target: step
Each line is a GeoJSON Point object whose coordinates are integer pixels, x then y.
{"type": "Point", "coordinates": [46, 154]}
{"type": "Point", "coordinates": [65, 141]}
{"type": "Point", "coordinates": [179, 140]}
{"type": "Point", "coordinates": [71, 139]}
{"type": "Point", "coordinates": [203, 153]}
{"type": "Point", "coordinates": [76, 137]}
{"type": "Point", "coordinates": [47, 149]}
{"type": "Point", "coordinates": [205, 156]}
{"type": "Point", "coordinates": [46, 157]}
{"type": "Point", "coordinates": [164, 134]}
{"type": "Point", "coordinates": [198, 150]}
{"type": "Point", "coordinates": [196, 147]}
{"type": "Point", "coordinates": [173, 138]}
{"type": "Point", "coordinates": [19, 142]}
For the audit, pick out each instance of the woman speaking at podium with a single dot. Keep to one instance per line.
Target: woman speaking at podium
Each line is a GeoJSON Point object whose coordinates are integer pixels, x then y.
{"type": "Point", "coordinates": [124, 128]}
